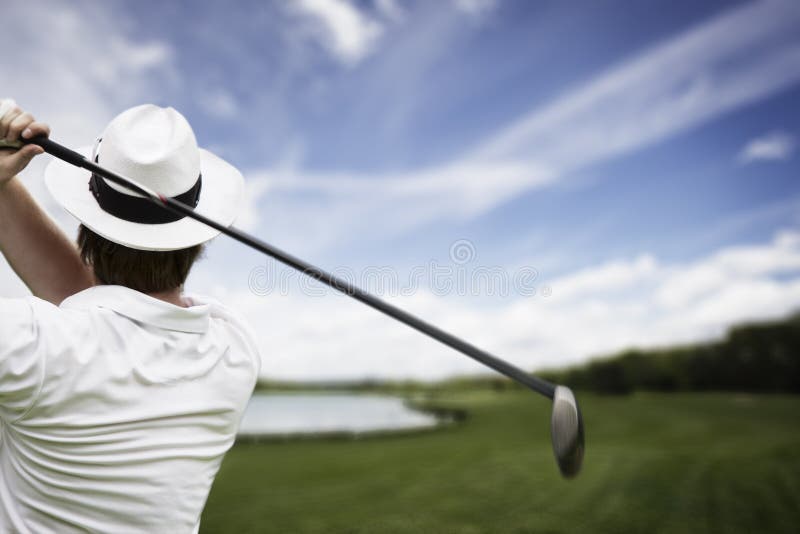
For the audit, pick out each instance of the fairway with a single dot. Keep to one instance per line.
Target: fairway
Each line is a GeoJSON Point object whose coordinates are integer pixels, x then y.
{"type": "Point", "coordinates": [654, 463]}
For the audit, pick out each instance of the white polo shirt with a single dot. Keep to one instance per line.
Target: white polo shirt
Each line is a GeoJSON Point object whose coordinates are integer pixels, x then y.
{"type": "Point", "coordinates": [116, 410]}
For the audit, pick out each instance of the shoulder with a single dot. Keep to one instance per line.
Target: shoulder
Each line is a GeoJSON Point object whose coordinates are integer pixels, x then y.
{"type": "Point", "coordinates": [15, 311]}
{"type": "Point", "coordinates": [33, 327]}
{"type": "Point", "coordinates": [21, 360]}
{"type": "Point", "coordinates": [220, 312]}
{"type": "Point", "coordinates": [25, 313]}
{"type": "Point", "coordinates": [18, 324]}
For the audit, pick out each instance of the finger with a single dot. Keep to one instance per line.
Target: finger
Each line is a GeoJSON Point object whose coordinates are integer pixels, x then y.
{"type": "Point", "coordinates": [7, 119]}
{"type": "Point", "coordinates": [17, 125]}
{"type": "Point", "coordinates": [15, 163]}
{"type": "Point", "coordinates": [35, 129]}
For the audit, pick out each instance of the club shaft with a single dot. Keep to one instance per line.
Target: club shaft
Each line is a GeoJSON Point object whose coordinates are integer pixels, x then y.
{"type": "Point", "coordinates": [515, 373]}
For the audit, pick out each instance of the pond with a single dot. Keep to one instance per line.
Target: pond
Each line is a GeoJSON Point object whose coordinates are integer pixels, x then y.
{"type": "Point", "coordinates": [285, 414]}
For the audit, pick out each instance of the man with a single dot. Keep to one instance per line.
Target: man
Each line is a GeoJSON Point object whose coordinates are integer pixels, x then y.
{"type": "Point", "coordinates": [119, 394]}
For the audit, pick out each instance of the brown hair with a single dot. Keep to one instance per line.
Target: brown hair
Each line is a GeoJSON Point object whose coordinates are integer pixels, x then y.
{"type": "Point", "coordinates": [143, 270]}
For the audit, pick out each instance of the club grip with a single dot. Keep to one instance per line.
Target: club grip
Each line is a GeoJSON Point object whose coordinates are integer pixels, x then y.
{"type": "Point", "coordinates": [59, 151]}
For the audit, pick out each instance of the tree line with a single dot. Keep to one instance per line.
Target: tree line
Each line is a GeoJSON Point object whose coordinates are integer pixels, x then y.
{"type": "Point", "coordinates": [762, 357]}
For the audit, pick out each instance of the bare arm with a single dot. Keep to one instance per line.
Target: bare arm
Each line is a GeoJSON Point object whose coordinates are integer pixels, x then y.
{"type": "Point", "coordinates": [38, 251]}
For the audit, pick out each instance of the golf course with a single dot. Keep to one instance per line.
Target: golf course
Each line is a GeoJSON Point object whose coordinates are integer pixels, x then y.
{"type": "Point", "coordinates": [655, 462]}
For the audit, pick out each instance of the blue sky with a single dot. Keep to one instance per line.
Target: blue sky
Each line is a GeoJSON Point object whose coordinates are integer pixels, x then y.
{"type": "Point", "coordinates": [642, 157]}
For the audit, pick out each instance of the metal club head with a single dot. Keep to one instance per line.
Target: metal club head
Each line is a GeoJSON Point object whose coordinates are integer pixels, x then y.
{"type": "Point", "coordinates": [566, 429]}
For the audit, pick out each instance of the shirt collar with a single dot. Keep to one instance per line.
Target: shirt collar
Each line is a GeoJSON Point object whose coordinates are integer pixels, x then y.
{"type": "Point", "coordinates": [141, 308]}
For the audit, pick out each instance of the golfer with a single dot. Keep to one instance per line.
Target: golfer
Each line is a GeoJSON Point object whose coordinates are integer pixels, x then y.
{"type": "Point", "coordinates": [119, 393]}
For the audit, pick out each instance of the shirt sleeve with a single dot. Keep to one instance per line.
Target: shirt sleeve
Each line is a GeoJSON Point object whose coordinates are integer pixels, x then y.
{"type": "Point", "coordinates": [21, 365]}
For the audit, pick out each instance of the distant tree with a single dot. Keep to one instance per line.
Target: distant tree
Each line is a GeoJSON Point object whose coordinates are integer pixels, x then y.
{"type": "Point", "coordinates": [760, 357]}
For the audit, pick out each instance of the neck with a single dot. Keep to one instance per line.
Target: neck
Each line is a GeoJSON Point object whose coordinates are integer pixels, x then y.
{"type": "Point", "coordinates": [173, 296]}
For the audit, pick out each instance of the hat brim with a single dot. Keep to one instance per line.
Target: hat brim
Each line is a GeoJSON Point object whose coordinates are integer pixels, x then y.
{"type": "Point", "coordinates": [220, 199]}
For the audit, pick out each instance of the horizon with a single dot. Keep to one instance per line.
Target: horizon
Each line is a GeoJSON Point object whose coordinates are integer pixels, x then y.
{"type": "Point", "coordinates": [627, 173]}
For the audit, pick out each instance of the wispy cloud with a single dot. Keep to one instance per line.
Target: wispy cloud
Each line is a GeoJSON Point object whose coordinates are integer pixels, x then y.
{"type": "Point", "coordinates": [730, 61]}
{"type": "Point", "coordinates": [733, 60]}
{"type": "Point", "coordinates": [347, 32]}
{"type": "Point", "coordinates": [774, 146]}
{"type": "Point", "coordinates": [248, 216]}
{"type": "Point", "coordinates": [475, 7]}
{"type": "Point", "coordinates": [219, 103]}
{"type": "Point", "coordinates": [637, 301]}
{"type": "Point", "coordinates": [456, 192]}
{"type": "Point", "coordinates": [391, 10]}
{"type": "Point", "coordinates": [75, 79]}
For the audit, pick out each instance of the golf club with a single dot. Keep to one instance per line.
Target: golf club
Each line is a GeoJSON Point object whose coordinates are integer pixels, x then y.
{"type": "Point", "coordinates": [566, 422]}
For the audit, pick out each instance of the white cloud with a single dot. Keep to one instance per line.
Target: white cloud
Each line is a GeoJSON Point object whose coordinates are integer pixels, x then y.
{"type": "Point", "coordinates": [254, 189]}
{"type": "Point", "coordinates": [456, 191]}
{"type": "Point", "coordinates": [77, 79]}
{"type": "Point", "coordinates": [475, 7]}
{"type": "Point", "coordinates": [93, 73]}
{"type": "Point", "coordinates": [348, 33]}
{"type": "Point", "coordinates": [640, 301]}
{"type": "Point", "coordinates": [774, 146]}
{"type": "Point", "coordinates": [124, 56]}
{"type": "Point", "coordinates": [727, 63]}
{"type": "Point", "coordinates": [733, 60]}
{"type": "Point", "coordinates": [608, 278]}
{"type": "Point", "coordinates": [391, 10]}
{"type": "Point", "coordinates": [219, 103]}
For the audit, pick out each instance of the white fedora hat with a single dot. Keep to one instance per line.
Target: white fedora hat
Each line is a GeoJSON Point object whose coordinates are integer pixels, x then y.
{"type": "Point", "coordinates": [154, 147]}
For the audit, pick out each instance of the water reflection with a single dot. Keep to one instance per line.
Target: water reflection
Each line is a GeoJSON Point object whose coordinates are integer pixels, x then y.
{"type": "Point", "coordinates": [280, 414]}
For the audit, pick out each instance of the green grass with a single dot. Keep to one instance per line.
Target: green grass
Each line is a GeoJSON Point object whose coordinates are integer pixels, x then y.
{"type": "Point", "coordinates": [654, 463]}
